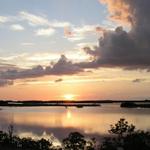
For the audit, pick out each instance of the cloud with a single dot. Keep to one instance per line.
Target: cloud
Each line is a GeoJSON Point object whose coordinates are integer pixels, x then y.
{"type": "Point", "coordinates": [62, 67]}
{"type": "Point", "coordinates": [41, 24]}
{"type": "Point", "coordinates": [80, 33]}
{"type": "Point", "coordinates": [34, 20]}
{"type": "Point", "coordinates": [59, 24]}
{"type": "Point", "coordinates": [20, 74]}
{"type": "Point", "coordinates": [45, 32]}
{"type": "Point", "coordinates": [138, 80]}
{"type": "Point", "coordinates": [4, 82]}
{"type": "Point", "coordinates": [27, 44]}
{"type": "Point", "coordinates": [120, 48]}
{"type": "Point", "coordinates": [3, 19]}
{"type": "Point", "coordinates": [84, 45]}
{"type": "Point", "coordinates": [119, 10]}
{"type": "Point", "coordinates": [5, 66]}
{"type": "Point", "coordinates": [67, 32]}
{"type": "Point", "coordinates": [58, 80]}
{"type": "Point", "coordinates": [87, 29]}
{"type": "Point", "coordinates": [47, 27]}
{"type": "Point", "coordinates": [117, 48]}
{"type": "Point", "coordinates": [17, 27]}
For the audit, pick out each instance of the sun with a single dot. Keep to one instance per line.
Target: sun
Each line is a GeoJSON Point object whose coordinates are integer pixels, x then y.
{"type": "Point", "coordinates": [69, 96]}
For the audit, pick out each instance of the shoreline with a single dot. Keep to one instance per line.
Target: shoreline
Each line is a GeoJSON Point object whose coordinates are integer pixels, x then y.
{"type": "Point", "coordinates": [78, 104]}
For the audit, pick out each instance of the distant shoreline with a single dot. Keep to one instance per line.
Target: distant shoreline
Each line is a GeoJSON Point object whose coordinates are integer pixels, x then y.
{"type": "Point", "coordinates": [78, 104]}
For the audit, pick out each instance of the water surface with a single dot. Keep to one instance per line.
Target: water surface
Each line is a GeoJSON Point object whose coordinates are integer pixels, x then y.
{"type": "Point", "coordinates": [59, 121]}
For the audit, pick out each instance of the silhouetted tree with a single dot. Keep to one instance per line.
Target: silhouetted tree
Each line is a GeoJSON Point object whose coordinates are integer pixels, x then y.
{"type": "Point", "coordinates": [10, 131]}
{"type": "Point", "coordinates": [56, 148]}
{"type": "Point", "coordinates": [91, 144]}
{"type": "Point", "coordinates": [126, 138]}
{"type": "Point", "coordinates": [75, 141]}
{"type": "Point", "coordinates": [44, 144]}
{"type": "Point", "coordinates": [139, 140]}
{"type": "Point", "coordinates": [121, 128]}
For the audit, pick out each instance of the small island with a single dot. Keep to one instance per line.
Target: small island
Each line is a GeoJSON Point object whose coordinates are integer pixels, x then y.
{"type": "Point", "coordinates": [135, 105]}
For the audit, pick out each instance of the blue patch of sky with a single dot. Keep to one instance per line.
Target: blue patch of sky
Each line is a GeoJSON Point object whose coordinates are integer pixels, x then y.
{"type": "Point", "coordinates": [75, 11]}
{"type": "Point", "coordinates": [78, 12]}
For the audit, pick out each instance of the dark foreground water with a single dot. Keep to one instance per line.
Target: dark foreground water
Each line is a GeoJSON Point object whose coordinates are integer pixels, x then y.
{"type": "Point", "coordinates": [58, 122]}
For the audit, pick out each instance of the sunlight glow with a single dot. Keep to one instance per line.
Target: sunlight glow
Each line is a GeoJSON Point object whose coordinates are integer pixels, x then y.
{"type": "Point", "coordinates": [69, 97]}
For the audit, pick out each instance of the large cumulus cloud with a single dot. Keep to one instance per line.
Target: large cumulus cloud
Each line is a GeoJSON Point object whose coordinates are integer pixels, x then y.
{"type": "Point", "coordinates": [120, 48]}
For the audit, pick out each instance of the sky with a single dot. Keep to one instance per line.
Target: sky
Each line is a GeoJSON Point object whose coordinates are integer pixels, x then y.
{"type": "Point", "coordinates": [74, 49]}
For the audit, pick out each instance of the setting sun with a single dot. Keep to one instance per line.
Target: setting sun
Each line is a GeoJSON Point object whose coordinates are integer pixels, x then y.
{"type": "Point", "coordinates": [69, 97]}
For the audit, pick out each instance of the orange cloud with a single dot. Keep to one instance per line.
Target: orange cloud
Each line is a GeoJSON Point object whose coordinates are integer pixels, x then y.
{"type": "Point", "coordinates": [119, 11]}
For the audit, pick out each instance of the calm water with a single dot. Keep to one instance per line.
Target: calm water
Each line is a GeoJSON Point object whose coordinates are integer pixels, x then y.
{"type": "Point", "coordinates": [59, 121]}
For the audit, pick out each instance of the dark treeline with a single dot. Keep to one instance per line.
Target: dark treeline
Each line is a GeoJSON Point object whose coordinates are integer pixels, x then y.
{"type": "Point", "coordinates": [72, 101]}
{"type": "Point", "coordinates": [123, 136]}
{"type": "Point", "coordinates": [78, 103]}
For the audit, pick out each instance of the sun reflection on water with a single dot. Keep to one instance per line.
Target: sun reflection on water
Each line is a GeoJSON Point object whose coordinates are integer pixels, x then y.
{"type": "Point", "coordinates": [69, 115]}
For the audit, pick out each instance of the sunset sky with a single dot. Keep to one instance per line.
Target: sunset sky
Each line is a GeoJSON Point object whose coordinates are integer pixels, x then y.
{"type": "Point", "coordinates": [74, 49]}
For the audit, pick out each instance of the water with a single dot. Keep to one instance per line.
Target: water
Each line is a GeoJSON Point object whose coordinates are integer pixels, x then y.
{"type": "Point", "coordinates": [58, 122]}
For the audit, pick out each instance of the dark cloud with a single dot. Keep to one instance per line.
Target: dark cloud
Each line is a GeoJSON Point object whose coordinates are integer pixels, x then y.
{"type": "Point", "coordinates": [138, 80]}
{"type": "Point", "coordinates": [4, 82]}
{"type": "Point", "coordinates": [5, 66]}
{"type": "Point", "coordinates": [119, 48]}
{"type": "Point", "coordinates": [58, 80]}
{"type": "Point", "coordinates": [62, 67]}
{"type": "Point", "coordinates": [21, 74]}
